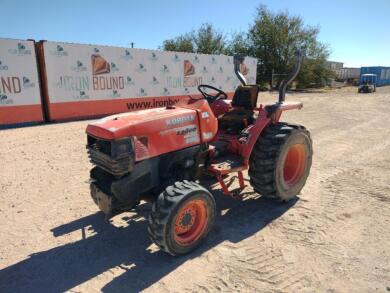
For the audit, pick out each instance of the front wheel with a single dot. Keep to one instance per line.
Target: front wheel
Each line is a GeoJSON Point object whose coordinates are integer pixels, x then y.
{"type": "Point", "coordinates": [280, 161]}
{"type": "Point", "coordinates": [181, 217]}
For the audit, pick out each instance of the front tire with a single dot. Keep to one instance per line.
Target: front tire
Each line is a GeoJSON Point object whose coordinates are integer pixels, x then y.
{"type": "Point", "coordinates": [181, 217]}
{"type": "Point", "coordinates": [280, 161]}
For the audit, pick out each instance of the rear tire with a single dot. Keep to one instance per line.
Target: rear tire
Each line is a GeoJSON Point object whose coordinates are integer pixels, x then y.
{"type": "Point", "coordinates": [280, 161]}
{"type": "Point", "coordinates": [181, 217]}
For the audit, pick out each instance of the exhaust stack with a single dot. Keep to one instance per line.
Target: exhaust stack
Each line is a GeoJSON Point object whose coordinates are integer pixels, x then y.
{"type": "Point", "coordinates": [292, 75]}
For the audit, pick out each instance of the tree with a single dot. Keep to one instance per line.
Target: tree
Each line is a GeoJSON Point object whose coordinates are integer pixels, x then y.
{"type": "Point", "coordinates": [180, 44]}
{"type": "Point", "coordinates": [274, 38]}
{"type": "Point", "coordinates": [238, 44]}
{"type": "Point", "coordinates": [206, 40]}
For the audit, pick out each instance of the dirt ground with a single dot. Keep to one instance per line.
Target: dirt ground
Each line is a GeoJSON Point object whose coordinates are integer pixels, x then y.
{"type": "Point", "coordinates": [335, 237]}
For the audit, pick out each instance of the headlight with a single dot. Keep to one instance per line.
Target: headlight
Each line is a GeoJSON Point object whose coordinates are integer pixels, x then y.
{"type": "Point", "coordinates": [120, 147]}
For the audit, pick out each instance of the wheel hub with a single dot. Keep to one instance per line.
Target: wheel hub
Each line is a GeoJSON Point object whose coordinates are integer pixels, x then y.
{"type": "Point", "coordinates": [187, 220]}
{"type": "Point", "coordinates": [191, 222]}
{"type": "Point", "coordinates": [294, 164]}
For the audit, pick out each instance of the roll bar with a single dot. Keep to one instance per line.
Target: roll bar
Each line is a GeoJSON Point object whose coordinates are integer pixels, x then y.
{"type": "Point", "coordinates": [291, 76]}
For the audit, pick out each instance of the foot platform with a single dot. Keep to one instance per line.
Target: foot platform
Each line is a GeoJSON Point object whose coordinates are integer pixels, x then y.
{"type": "Point", "coordinates": [226, 165]}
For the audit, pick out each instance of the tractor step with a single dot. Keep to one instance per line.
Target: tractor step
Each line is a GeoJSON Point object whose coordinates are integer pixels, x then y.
{"type": "Point", "coordinates": [226, 165]}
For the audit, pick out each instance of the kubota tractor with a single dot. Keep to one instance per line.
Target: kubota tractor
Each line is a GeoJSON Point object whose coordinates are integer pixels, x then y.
{"type": "Point", "coordinates": [159, 154]}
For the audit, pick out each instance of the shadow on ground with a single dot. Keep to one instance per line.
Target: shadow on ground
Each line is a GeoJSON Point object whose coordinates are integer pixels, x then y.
{"type": "Point", "coordinates": [64, 267]}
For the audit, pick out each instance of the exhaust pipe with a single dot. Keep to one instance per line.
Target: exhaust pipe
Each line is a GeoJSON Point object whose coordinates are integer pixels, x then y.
{"type": "Point", "coordinates": [238, 60]}
{"type": "Point", "coordinates": [292, 75]}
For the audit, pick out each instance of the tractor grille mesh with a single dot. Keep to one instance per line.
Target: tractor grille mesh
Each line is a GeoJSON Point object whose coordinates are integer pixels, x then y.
{"type": "Point", "coordinates": [99, 152]}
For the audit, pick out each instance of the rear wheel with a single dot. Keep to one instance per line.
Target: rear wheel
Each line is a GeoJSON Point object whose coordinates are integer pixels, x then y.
{"type": "Point", "coordinates": [181, 217]}
{"type": "Point", "coordinates": [280, 161]}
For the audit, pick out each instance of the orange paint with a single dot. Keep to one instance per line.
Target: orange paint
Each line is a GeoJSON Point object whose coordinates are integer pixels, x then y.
{"type": "Point", "coordinates": [20, 114]}
{"type": "Point", "coordinates": [99, 108]}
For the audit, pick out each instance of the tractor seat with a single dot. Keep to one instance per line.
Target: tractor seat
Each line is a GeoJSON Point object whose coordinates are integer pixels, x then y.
{"type": "Point", "coordinates": [243, 103]}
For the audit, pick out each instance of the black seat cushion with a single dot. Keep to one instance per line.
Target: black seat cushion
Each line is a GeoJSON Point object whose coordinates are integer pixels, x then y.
{"type": "Point", "coordinates": [245, 96]}
{"type": "Point", "coordinates": [235, 120]}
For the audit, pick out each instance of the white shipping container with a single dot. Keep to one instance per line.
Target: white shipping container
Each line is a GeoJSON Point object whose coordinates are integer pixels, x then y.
{"type": "Point", "coordinates": [20, 98]}
{"type": "Point", "coordinates": [348, 73]}
{"type": "Point", "coordinates": [92, 74]}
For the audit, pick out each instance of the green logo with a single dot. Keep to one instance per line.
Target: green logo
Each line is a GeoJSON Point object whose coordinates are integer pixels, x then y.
{"type": "Point", "coordinates": [27, 83]}
{"type": "Point", "coordinates": [176, 58]}
{"type": "Point", "coordinates": [141, 68]}
{"type": "Point", "coordinates": [5, 101]}
{"type": "Point", "coordinates": [79, 67]}
{"type": "Point", "coordinates": [165, 92]}
{"type": "Point", "coordinates": [142, 92]}
{"type": "Point", "coordinates": [127, 55]}
{"type": "Point", "coordinates": [59, 52]}
{"type": "Point", "coordinates": [3, 67]}
{"type": "Point", "coordinates": [153, 57]}
{"type": "Point", "coordinates": [115, 94]}
{"type": "Point", "coordinates": [20, 50]}
{"type": "Point", "coordinates": [114, 67]}
{"type": "Point", "coordinates": [129, 81]}
{"type": "Point", "coordinates": [164, 69]}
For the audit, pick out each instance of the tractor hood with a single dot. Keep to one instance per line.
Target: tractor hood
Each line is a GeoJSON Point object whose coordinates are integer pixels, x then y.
{"type": "Point", "coordinates": [141, 122]}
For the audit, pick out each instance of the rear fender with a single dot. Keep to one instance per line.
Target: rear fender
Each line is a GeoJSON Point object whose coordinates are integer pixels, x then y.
{"type": "Point", "coordinates": [275, 111]}
{"type": "Point", "coordinates": [261, 123]}
{"type": "Point", "coordinates": [271, 114]}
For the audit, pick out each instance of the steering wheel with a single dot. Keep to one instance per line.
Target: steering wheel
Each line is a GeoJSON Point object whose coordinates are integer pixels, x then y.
{"type": "Point", "coordinates": [211, 98]}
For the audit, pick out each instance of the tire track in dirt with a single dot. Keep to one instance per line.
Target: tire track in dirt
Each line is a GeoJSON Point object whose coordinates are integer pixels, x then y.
{"type": "Point", "coordinates": [250, 265]}
{"type": "Point", "coordinates": [311, 220]}
{"type": "Point", "coordinates": [264, 265]}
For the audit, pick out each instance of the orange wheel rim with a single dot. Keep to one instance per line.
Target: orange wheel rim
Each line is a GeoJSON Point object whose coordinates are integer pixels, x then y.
{"type": "Point", "coordinates": [294, 164]}
{"type": "Point", "coordinates": [191, 222]}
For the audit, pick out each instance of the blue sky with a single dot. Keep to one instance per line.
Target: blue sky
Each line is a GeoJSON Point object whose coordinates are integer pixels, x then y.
{"type": "Point", "coordinates": [358, 32]}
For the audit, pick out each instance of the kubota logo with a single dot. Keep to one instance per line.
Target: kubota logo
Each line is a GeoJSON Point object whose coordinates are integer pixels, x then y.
{"type": "Point", "coordinates": [180, 120]}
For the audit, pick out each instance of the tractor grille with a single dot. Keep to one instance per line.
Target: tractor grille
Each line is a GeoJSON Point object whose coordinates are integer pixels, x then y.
{"type": "Point", "coordinates": [100, 154]}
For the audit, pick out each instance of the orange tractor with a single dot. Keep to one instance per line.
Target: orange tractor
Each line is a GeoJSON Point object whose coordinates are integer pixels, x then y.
{"type": "Point", "coordinates": [159, 154]}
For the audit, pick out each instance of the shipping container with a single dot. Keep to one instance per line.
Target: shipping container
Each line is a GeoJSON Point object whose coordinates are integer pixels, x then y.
{"type": "Point", "coordinates": [383, 74]}
{"type": "Point", "coordinates": [20, 96]}
{"type": "Point", "coordinates": [82, 81]}
{"type": "Point", "coordinates": [348, 73]}
{"type": "Point", "coordinates": [332, 65]}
